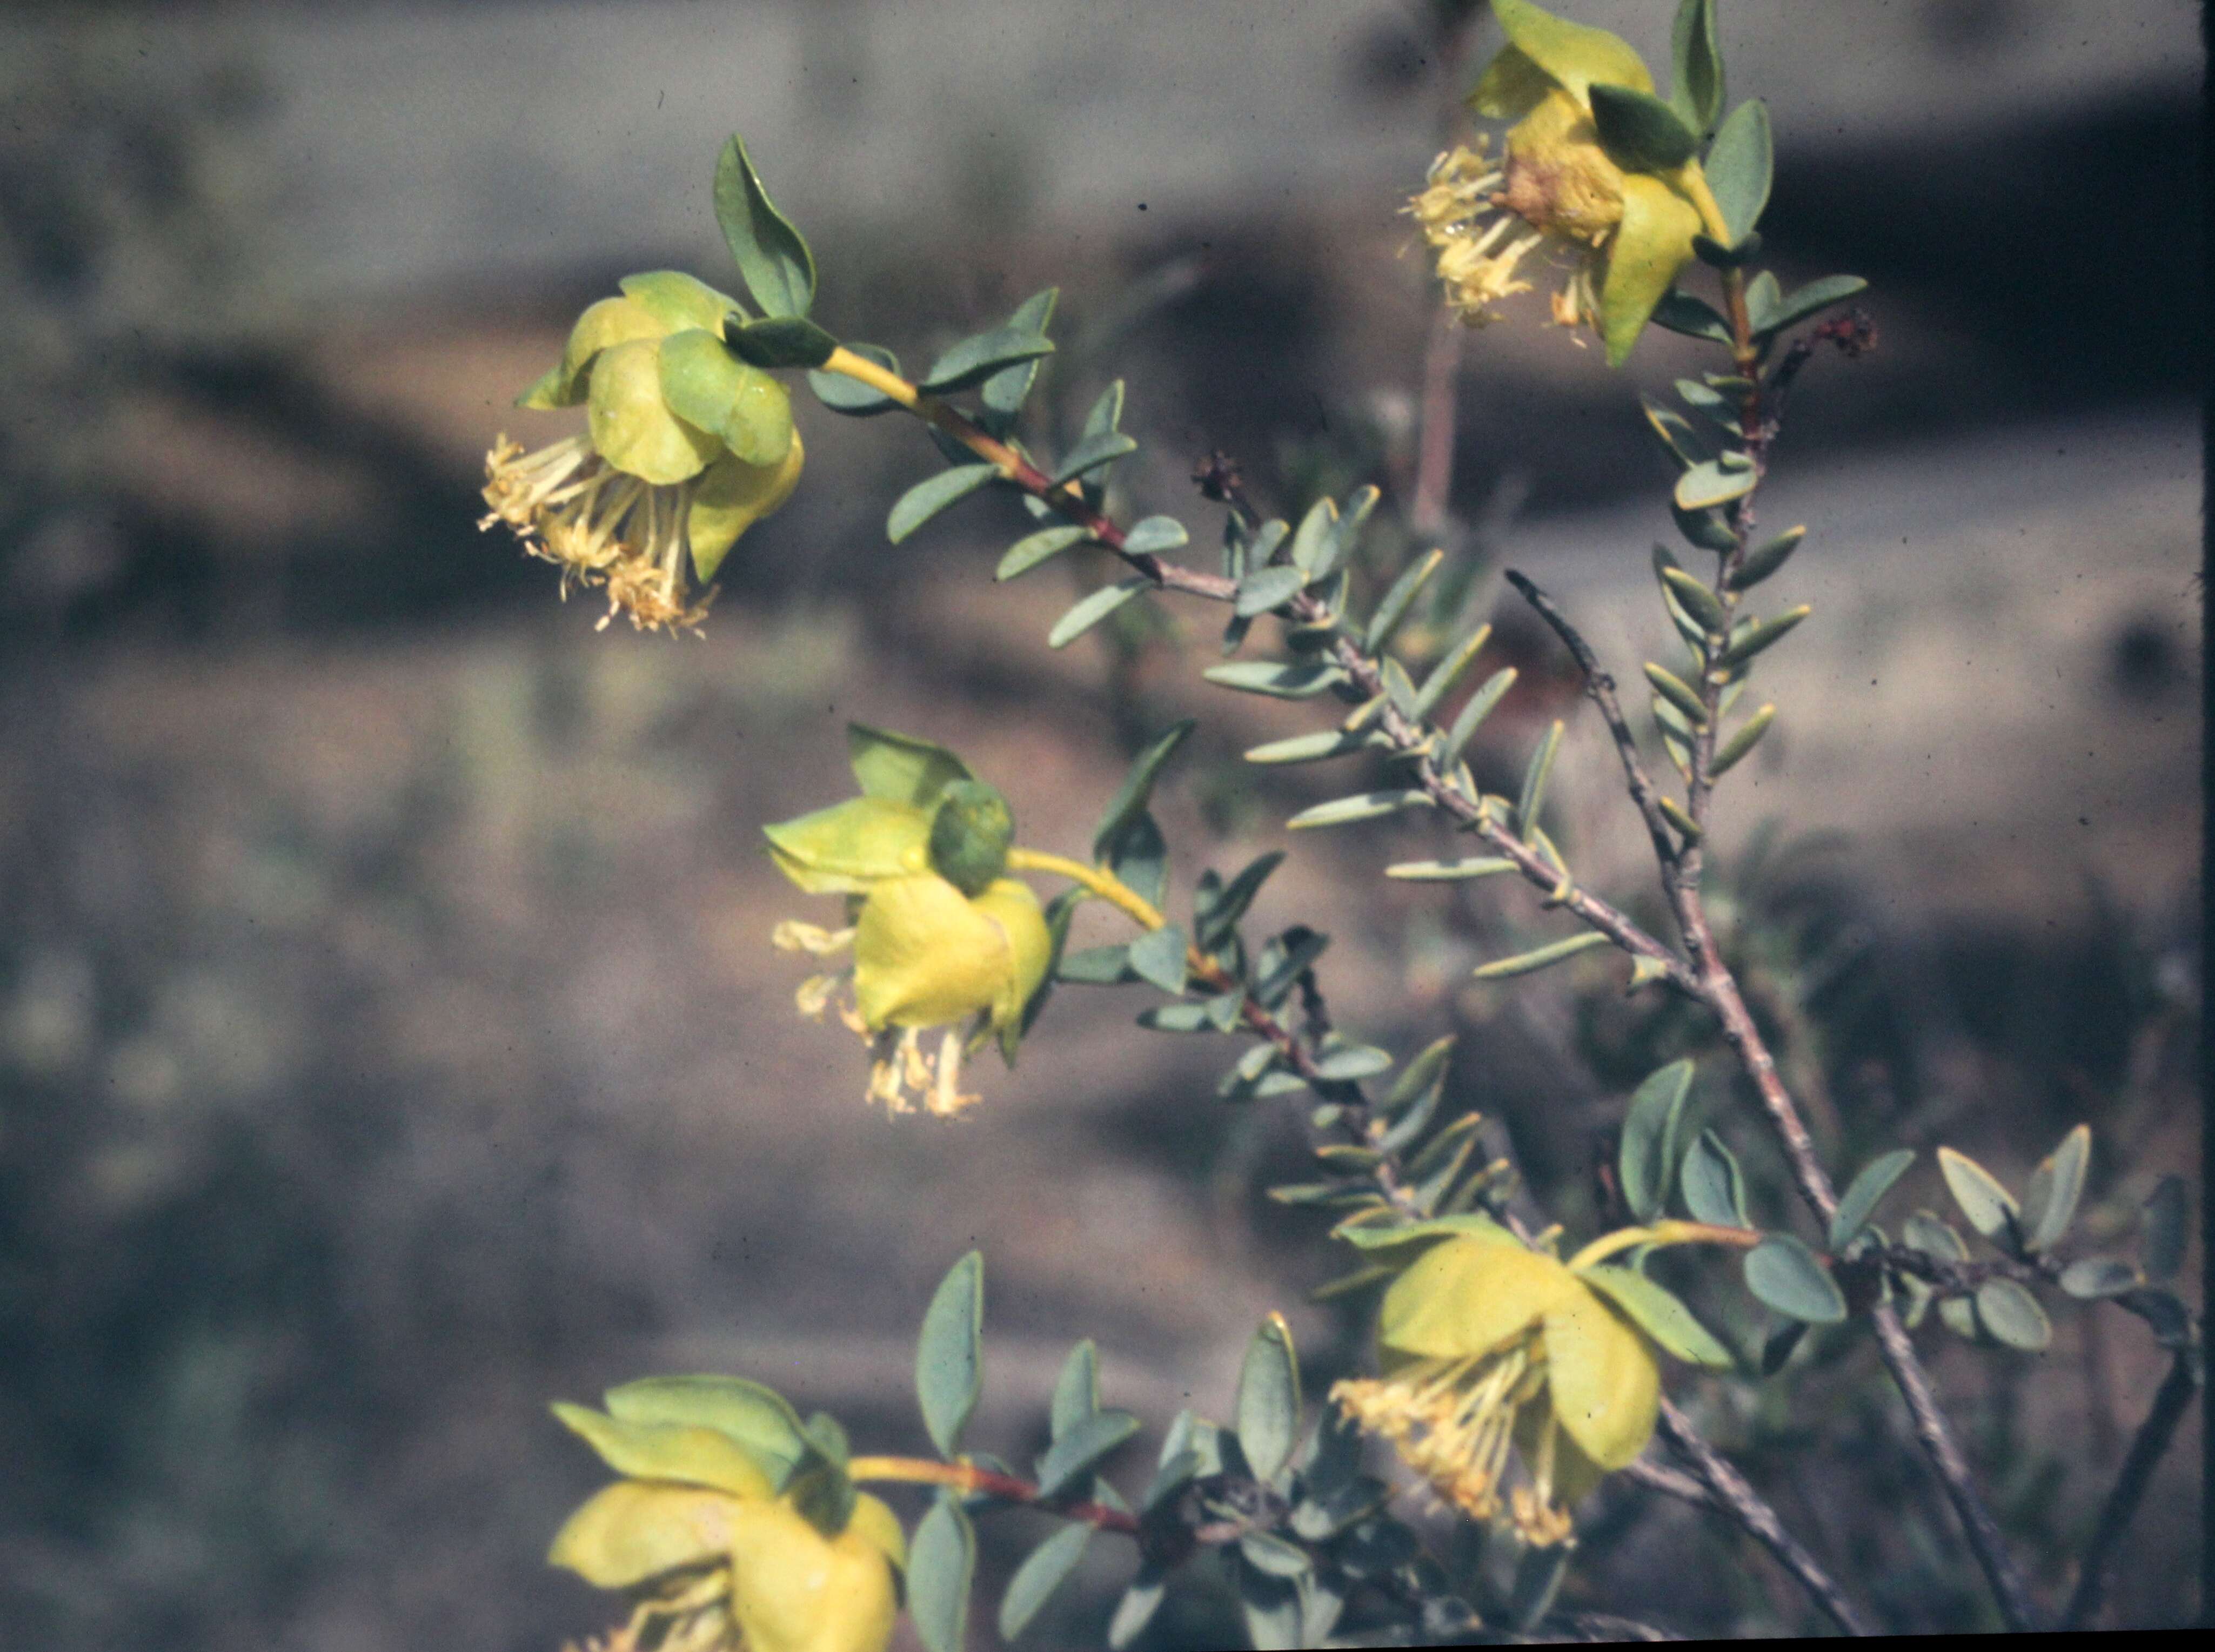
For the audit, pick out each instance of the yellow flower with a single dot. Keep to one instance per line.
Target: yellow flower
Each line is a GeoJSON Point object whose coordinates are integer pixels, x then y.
{"type": "Point", "coordinates": [686, 448]}
{"type": "Point", "coordinates": [1491, 1352]}
{"type": "Point", "coordinates": [719, 1559]}
{"type": "Point", "coordinates": [1623, 234]}
{"type": "Point", "coordinates": [939, 936]}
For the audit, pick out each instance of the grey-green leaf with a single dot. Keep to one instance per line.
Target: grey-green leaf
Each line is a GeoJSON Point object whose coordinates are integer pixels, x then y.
{"type": "Point", "coordinates": [1989, 1205]}
{"type": "Point", "coordinates": [782, 341]}
{"type": "Point", "coordinates": [948, 1355]}
{"type": "Point", "coordinates": [1859, 1202]}
{"type": "Point", "coordinates": [1092, 453]}
{"type": "Point", "coordinates": [980, 356]}
{"type": "Point", "coordinates": [1268, 1416]}
{"type": "Point", "coordinates": [1540, 957]}
{"type": "Point", "coordinates": [1450, 872]}
{"type": "Point", "coordinates": [933, 494]}
{"type": "Point", "coordinates": [1783, 1274]}
{"type": "Point", "coordinates": [1089, 611]}
{"type": "Point", "coordinates": [1157, 958]}
{"type": "Point", "coordinates": [1711, 483]}
{"type": "Point", "coordinates": [1132, 797]}
{"type": "Point", "coordinates": [1398, 600]}
{"type": "Point", "coordinates": [2012, 1316]}
{"type": "Point", "coordinates": [941, 1563]}
{"type": "Point", "coordinates": [1766, 558]}
{"type": "Point", "coordinates": [1004, 393]}
{"type": "Point", "coordinates": [1648, 1161]}
{"type": "Point", "coordinates": [1043, 1571]}
{"type": "Point", "coordinates": [1807, 300]}
{"type": "Point", "coordinates": [2049, 1199]}
{"type": "Point", "coordinates": [1541, 766]}
{"type": "Point", "coordinates": [1071, 1458]}
{"type": "Point", "coordinates": [2097, 1276]}
{"type": "Point", "coordinates": [1680, 312]}
{"type": "Point", "coordinates": [1154, 536]}
{"type": "Point", "coordinates": [1296, 682]}
{"type": "Point", "coordinates": [1714, 1186]}
{"type": "Point", "coordinates": [1140, 1601]}
{"type": "Point", "coordinates": [1478, 706]}
{"type": "Point", "coordinates": [1366, 806]}
{"type": "Point", "coordinates": [1739, 165]}
{"type": "Point", "coordinates": [1761, 635]}
{"type": "Point", "coordinates": [1660, 1315]}
{"type": "Point", "coordinates": [1697, 94]}
{"type": "Point", "coordinates": [1027, 553]}
{"type": "Point", "coordinates": [773, 258]}
{"type": "Point", "coordinates": [1268, 587]}
{"type": "Point", "coordinates": [1077, 1391]}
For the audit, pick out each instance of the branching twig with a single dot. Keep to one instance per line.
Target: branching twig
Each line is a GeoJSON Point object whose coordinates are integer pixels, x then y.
{"type": "Point", "coordinates": [1745, 1506]}
{"type": "Point", "coordinates": [2171, 1402]}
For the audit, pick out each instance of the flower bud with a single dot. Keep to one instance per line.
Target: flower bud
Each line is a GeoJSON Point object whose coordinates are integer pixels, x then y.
{"type": "Point", "coordinates": [970, 835]}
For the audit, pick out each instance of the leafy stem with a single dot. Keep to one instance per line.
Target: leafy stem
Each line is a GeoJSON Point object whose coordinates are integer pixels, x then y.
{"type": "Point", "coordinates": [968, 1477]}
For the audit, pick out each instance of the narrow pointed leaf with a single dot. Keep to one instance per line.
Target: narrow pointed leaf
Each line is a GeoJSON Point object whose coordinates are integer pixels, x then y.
{"type": "Point", "coordinates": [1314, 538]}
{"type": "Point", "coordinates": [1478, 706]}
{"type": "Point", "coordinates": [1309, 748]}
{"type": "Point", "coordinates": [1450, 872]}
{"type": "Point", "coordinates": [1045, 1569]}
{"type": "Point", "coordinates": [1765, 634]}
{"type": "Point", "coordinates": [1297, 682]}
{"type": "Point", "coordinates": [1364, 805]}
{"type": "Point", "coordinates": [1534, 780]}
{"type": "Point", "coordinates": [1138, 788]}
{"type": "Point", "coordinates": [1029, 552]}
{"type": "Point", "coordinates": [1091, 611]}
{"type": "Point", "coordinates": [1448, 671]}
{"type": "Point", "coordinates": [1398, 600]}
{"type": "Point", "coordinates": [1523, 964]}
{"type": "Point", "coordinates": [1680, 312]}
{"type": "Point", "coordinates": [1069, 1461]}
{"type": "Point", "coordinates": [1679, 693]}
{"type": "Point", "coordinates": [933, 494]}
{"type": "Point", "coordinates": [2049, 1201]}
{"type": "Point", "coordinates": [982, 355]}
{"type": "Point", "coordinates": [1766, 558]}
{"type": "Point", "coordinates": [1748, 737]}
{"type": "Point", "coordinates": [1715, 1187]}
{"type": "Point", "coordinates": [1094, 452]}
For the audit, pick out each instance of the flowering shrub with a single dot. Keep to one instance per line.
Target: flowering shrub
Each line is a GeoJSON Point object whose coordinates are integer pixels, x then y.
{"type": "Point", "coordinates": [1510, 1380]}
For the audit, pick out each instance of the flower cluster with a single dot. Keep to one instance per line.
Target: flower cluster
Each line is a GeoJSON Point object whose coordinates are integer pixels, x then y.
{"type": "Point", "coordinates": [725, 1529]}
{"type": "Point", "coordinates": [938, 936]}
{"type": "Point", "coordinates": [1491, 1352]}
{"type": "Point", "coordinates": [686, 448]}
{"type": "Point", "coordinates": [1622, 235]}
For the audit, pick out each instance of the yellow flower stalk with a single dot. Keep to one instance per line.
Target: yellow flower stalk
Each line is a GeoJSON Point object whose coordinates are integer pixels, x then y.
{"type": "Point", "coordinates": [1493, 1355]}
{"type": "Point", "coordinates": [939, 937]}
{"type": "Point", "coordinates": [718, 1559]}
{"type": "Point", "coordinates": [1620, 237]}
{"type": "Point", "coordinates": [686, 447]}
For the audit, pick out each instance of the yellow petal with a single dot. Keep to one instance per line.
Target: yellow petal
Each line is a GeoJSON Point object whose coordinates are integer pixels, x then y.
{"type": "Point", "coordinates": [1470, 1294]}
{"type": "Point", "coordinates": [678, 300]}
{"type": "Point", "coordinates": [733, 495]}
{"type": "Point", "coordinates": [845, 848]}
{"type": "Point", "coordinates": [1012, 905]}
{"type": "Point", "coordinates": [1576, 1477]}
{"type": "Point", "coordinates": [1604, 1379]}
{"type": "Point", "coordinates": [637, 1529]}
{"type": "Point", "coordinates": [1572, 53]}
{"type": "Point", "coordinates": [609, 322]}
{"type": "Point", "coordinates": [679, 1451]}
{"type": "Point", "coordinates": [795, 1590]}
{"type": "Point", "coordinates": [1651, 245]}
{"type": "Point", "coordinates": [1510, 86]}
{"type": "Point", "coordinates": [879, 1527]}
{"type": "Point", "coordinates": [924, 955]}
{"type": "Point", "coordinates": [1558, 177]}
{"type": "Point", "coordinates": [632, 425]}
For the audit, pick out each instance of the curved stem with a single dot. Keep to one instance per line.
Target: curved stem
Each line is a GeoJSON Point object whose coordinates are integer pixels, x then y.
{"type": "Point", "coordinates": [1661, 1233]}
{"type": "Point", "coordinates": [1096, 880]}
{"type": "Point", "coordinates": [967, 1477]}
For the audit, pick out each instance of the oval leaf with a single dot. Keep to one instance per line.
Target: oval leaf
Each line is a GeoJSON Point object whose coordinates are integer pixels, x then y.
{"type": "Point", "coordinates": [2011, 1316]}
{"type": "Point", "coordinates": [1269, 1398]}
{"type": "Point", "coordinates": [1860, 1200]}
{"type": "Point", "coordinates": [948, 1357]}
{"type": "Point", "coordinates": [2049, 1203]}
{"type": "Point", "coordinates": [1715, 1189]}
{"type": "Point", "coordinates": [980, 356]}
{"type": "Point", "coordinates": [1043, 1571]}
{"type": "Point", "coordinates": [1783, 1274]}
{"type": "Point", "coordinates": [1739, 165]}
{"type": "Point", "coordinates": [1070, 1459]}
{"type": "Point", "coordinates": [1647, 1160]}
{"type": "Point", "coordinates": [942, 1563]}
{"type": "Point", "coordinates": [933, 494]}
{"type": "Point", "coordinates": [772, 257]}
{"type": "Point", "coordinates": [1091, 611]}
{"type": "Point", "coordinates": [1991, 1208]}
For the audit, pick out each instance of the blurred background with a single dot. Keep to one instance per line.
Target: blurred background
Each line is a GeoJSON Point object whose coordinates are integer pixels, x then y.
{"type": "Point", "coordinates": [390, 1042]}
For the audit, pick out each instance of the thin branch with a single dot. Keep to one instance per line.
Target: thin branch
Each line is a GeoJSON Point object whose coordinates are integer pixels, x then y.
{"type": "Point", "coordinates": [2171, 1402]}
{"type": "Point", "coordinates": [1759, 1520]}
